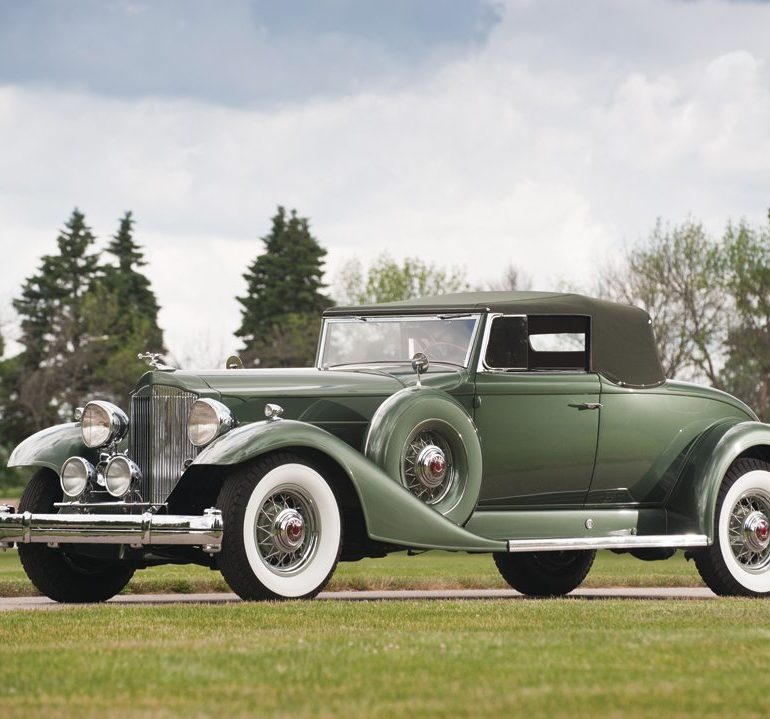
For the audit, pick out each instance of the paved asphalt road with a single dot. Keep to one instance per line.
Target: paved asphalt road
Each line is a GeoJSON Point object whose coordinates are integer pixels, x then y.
{"type": "Point", "coordinates": [9, 603]}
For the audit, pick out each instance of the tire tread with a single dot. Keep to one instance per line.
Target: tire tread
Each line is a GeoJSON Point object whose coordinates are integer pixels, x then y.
{"type": "Point", "coordinates": [48, 568]}
{"type": "Point", "coordinates": [708, 560]}
{"type": "Point", "coordinates": [523, 572]}
{"type": "Point", "coordinates": [232, 501]}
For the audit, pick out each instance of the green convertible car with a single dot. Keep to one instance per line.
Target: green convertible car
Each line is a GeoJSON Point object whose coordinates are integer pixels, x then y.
{"type": "Point", "coordinates": [536, 427]}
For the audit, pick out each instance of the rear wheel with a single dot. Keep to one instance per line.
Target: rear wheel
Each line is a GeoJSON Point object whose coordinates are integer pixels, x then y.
{"type": "Point", "coordinates": [738, 562]}
{"type": "Point", "coordinates": [57, 573]}
{"type": "Point", "coordinates": [283, 529]}
{"type": "Point", "coordinates": [545, 574]}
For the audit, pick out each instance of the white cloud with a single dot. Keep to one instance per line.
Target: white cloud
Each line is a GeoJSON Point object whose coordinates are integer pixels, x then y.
{"type": "Point", "coordinates": [548, 159]}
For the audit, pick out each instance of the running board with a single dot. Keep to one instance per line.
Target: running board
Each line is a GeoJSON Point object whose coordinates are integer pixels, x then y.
{"type": "Point", "coordinates": [630, 541]}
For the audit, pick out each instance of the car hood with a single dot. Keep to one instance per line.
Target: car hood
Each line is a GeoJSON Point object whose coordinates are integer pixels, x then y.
{"type": "Point", "coordinates": [306, 382]}
{"type": "Point", "coordinates": [278, 383]}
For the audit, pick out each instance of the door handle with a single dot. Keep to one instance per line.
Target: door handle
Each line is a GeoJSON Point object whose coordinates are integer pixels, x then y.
{"type": "Point", "coordinates": [586, 405]}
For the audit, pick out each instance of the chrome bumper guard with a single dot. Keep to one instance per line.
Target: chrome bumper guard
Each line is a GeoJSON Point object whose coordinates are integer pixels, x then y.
{"type": "Point", "coordinates": [136, 530]}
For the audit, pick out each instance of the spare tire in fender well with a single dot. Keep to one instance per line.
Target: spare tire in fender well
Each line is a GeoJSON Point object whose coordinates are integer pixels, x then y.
{"type": "Point", "coordinates": [421, 417]}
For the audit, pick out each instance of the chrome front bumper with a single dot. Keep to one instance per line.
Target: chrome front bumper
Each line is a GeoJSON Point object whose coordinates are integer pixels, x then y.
{"type": "Point", "coordinates": [136, 530]}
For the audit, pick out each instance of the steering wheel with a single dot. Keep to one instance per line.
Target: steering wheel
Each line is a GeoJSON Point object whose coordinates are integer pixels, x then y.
{"type": "Point", "coordinates": [445, 351]}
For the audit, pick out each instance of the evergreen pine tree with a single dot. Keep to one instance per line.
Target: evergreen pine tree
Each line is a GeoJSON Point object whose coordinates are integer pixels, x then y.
{"type": "Point", "coordinates": [136, 302]}
{"type": "Point", "coordinates": [54, 332]}
{"type": "Point", "coordinates": [123, 310]}
{"type": "Point", "coordinates": [284, 292]}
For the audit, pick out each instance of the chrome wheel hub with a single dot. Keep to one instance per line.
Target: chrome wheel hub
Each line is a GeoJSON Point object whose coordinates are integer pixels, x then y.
{"type": "Point", "coordinates": [756, 531]}
{"type": "Point", "coordinates": [749, 531]}
{"type": "Point", "coordinates": [430, 467]}
{"type": "Point", "coordinates": [429, 470]}
{"type": "Point", "coordinates": [287, 530]}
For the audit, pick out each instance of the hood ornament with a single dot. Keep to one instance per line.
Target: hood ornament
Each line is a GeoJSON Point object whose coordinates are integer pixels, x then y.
{"type": "Point", "coordinates": [153, 359]}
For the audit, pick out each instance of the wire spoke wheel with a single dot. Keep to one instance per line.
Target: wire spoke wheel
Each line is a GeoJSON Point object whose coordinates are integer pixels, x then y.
{"type": "Point", "coordinates": [425, 439]}
{"type": "Point", "coordinates": [286, 530]}
{"type": "Point", "coordinates": [738, 561]}
{"type": "Point", "coordinates": [430, 471]}
{"type": "Point", "coordinates": [749, 530]}
{"type": "Point", "coordinates": [283, 529]}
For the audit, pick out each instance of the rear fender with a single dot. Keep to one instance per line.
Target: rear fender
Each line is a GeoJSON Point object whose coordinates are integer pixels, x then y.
{"type": "Point", "coordinates": [51, 447]}
{"type": "Point", "coordinates": [392, 514]}
{"type": "Point", "coordinates": [695, 496]}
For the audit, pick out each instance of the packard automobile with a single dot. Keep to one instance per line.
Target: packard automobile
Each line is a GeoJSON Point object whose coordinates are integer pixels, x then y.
{"type": "Point", "coordinates": [535, 427]}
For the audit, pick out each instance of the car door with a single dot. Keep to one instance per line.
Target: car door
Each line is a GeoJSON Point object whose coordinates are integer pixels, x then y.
{"type": "Point", "coordinates": [537, 411]}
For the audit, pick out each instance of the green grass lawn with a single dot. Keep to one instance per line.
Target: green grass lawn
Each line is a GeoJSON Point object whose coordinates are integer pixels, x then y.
{"type": "Point", "coordinates": [432, 570]}
{"type": "Point", "coordinates": [555, 658]}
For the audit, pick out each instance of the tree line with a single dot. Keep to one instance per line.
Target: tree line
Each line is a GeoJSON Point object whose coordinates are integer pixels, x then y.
{"type": "Point", "coordinates": [86, 313]}
{"type": "Point", "coordinates": [709, 298]}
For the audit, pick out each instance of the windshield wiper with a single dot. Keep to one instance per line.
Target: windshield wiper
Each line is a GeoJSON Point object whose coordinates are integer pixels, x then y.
{"type": "Point", "coordinates": [364, 362]}
{"type": "Point", "coordinates": [451, 364]}
{"type": "Point", "coordinates": [455, 316]}
{"type": "Point", "coordinates": [399, 361]}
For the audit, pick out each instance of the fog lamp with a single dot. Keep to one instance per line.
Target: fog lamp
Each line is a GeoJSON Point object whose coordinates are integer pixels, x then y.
{"type": "Point", "coordinates": [120, 474]}
{"type": "Point", "coordinates": [76, 473]}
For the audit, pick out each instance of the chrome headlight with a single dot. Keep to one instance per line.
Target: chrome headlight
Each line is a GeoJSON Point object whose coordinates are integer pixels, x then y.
{"type": "Point", "coordinates": [120, 474]}
{"type": "Point", "coordinates": [76, 473]}
{"type": "Point", "coordinates": [208, 420]}
{"type": "Point", "coordinates": [103, 423]}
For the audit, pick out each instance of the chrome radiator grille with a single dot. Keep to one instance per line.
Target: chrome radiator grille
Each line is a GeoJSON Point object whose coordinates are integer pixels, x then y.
{"type": "Point", "coordinates": [158, 438]}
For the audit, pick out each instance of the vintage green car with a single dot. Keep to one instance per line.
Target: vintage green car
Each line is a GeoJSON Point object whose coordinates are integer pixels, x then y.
{"type": "Point", "coordinates": [537, 427]}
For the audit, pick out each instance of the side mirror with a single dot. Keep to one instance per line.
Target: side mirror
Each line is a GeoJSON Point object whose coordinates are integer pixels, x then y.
{"type": "Point", "coordinates": [420, 364]}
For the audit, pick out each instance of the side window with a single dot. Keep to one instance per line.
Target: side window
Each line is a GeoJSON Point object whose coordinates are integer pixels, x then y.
{"type": "Point", "coordinates": [539, 342]}
{"type": "Point", "coordinates": [507, 347]}
{"type": "Point", "coordinates": [559, 343]}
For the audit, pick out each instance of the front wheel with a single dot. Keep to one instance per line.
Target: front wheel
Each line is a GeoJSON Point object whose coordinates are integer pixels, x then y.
{"type": "Point", "coordinates": [545, 574]}
{"type": "Point", "coordinates": [283, 530]}
{"type": "Point", "coordinates": [738, 562]}
{"type": "Point", "coordinates": [58, 573]}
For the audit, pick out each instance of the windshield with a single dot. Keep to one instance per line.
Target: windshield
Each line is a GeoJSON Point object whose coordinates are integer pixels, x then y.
{"type": "Point", "coordinates": [365, 340]}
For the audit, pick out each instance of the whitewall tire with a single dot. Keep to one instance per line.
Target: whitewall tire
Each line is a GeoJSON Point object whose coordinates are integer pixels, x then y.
{"type": "Point", "coordinates": [283, 530]}
{"type": "Point", "coordinates": [738, 563]}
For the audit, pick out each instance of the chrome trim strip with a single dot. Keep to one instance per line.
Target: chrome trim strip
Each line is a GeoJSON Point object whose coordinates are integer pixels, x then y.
{"type": "Point", "coordinates": [136, 530]}
{"type": "Point", "coordinates": [482, 365]}
{"type": "Point", "coordinates": [438, 316]}
{"type": "Point", "coordinates": [651, 541]}
{"type": "Point", "coordinates": [103, 505]}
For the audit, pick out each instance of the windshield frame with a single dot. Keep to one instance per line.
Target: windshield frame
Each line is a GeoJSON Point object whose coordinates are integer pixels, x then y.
{"type": "Point", "coordinates": [433, 316]}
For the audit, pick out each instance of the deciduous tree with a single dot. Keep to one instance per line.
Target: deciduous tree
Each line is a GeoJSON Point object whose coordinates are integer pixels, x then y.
{"type": "Point", "coordinates": [747, 262]}
{"type": "Point", "coordinates": [387, 280]}
{"type": "Point", "coordinates": [675, 274]}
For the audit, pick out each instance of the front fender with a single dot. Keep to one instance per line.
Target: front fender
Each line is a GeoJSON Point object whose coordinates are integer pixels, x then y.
{"type": "Point", "coordinates": [392, 514]}
{"type": "Point", "coordinates": [50, 448]}
{"type": "Point", "coordinates": [695, 497]}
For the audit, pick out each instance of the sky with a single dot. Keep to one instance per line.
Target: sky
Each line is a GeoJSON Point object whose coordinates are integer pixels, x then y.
{"type": "Point", "coordinates": [548, 134]}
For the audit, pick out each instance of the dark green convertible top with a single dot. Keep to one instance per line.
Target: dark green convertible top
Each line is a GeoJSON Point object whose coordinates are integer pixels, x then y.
{"type": "Point", "coordinates": [622, 344]}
